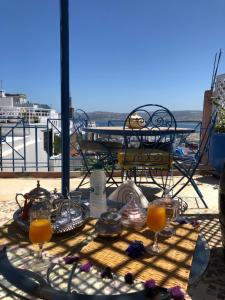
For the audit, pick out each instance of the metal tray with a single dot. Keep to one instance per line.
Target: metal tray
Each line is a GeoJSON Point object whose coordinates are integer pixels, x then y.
{"type": "Point", "coordinates": [56, 229]}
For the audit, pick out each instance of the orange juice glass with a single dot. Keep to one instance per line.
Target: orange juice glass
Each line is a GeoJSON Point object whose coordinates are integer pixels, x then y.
{"type": "Point", "coordinates": [40, 232]}
{"type": "Point", "coordinates": [156, 221]}
{"type": "Point", "coordinates": [156, 218]}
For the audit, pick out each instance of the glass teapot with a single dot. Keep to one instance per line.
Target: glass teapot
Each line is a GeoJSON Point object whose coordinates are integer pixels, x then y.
{"type": "Point", "coordinates": [135, 121]}
{"type": "Point", "coordinates": [133, 215]}
{"type": "Point", "coordinates": [37, 197]}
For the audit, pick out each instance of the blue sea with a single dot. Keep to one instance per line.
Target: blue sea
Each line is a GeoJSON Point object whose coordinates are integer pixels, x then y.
{"type": "Point", "coordinates": [183, 124]}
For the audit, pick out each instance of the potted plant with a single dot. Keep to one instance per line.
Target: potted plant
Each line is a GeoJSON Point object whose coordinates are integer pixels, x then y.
{"type": "Point", "coordinates": [217, 146]}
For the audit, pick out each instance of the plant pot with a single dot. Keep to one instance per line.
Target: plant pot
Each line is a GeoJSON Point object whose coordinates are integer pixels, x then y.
{"type": "Point", "coordinates": [217, 151]}
{"type": "Point", "coordinates": [221, 205]}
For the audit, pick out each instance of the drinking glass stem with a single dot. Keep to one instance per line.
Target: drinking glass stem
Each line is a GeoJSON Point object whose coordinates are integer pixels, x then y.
{"type": "Point", "coordinates": [167, 225]}
{"type": "Point", "coordinates": [155, 246]}
{"type": "Point", "coordinates": [39, 252]}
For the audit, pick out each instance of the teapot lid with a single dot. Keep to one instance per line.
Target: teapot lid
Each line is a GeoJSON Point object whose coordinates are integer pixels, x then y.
{"type": "Point", "coordinates": [135, 116]}
{"type": "Point", "coordinates": [110, 217]}
{"type": "Point", "coordinates": [39, 192]}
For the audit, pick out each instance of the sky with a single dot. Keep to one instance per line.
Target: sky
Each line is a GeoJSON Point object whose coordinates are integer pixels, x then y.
{"type": "Point", "coordinates": [123, 53]}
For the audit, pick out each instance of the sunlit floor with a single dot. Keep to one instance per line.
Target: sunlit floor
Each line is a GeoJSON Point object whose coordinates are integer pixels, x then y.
{"type": "Point", "coordinates": [207, 184]}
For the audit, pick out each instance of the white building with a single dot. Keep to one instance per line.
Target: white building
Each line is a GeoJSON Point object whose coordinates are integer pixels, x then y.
{"type": "Point", "coordinates": [17, 106]}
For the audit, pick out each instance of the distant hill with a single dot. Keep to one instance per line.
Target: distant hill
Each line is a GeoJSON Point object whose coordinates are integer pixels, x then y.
{"type": "Point", "coordinates": [184, 115]}
{"type": "Point", "coordinates": [188, 115]}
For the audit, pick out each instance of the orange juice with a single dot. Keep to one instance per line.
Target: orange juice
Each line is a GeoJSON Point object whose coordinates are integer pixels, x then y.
{"type": "Point", "coordinates": [40, 231]}
{"type": "Point", "coordinates": [156, 219]}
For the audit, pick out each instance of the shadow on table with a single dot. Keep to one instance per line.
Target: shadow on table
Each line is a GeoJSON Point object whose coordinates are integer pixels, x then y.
{"type": "Point", "coordinates": [173, 263]}
{"type": "Point", "coordinates": [212, 282]}
{"type": "Point", "coordinates": [60, 244]}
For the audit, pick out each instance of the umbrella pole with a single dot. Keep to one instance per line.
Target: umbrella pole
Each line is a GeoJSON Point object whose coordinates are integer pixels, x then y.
{"type": "Point", "coordinates": [65, 96]}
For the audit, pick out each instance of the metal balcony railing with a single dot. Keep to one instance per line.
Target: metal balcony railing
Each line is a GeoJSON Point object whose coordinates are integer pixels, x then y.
{"type": "Point", "coordinates": [36, 147]}
{"type": "Point", "coordinates": [30, 147]}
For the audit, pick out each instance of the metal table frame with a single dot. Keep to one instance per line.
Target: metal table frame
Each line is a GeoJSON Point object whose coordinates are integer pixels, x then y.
{"type": "Point", "coordinates": [33, 284]}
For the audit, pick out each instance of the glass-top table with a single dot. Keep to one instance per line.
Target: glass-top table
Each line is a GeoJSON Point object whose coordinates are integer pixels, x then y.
{"type": "Point", "coordinates": [119, 130]}
{"type": "Point", "coordinates": [60, 276]}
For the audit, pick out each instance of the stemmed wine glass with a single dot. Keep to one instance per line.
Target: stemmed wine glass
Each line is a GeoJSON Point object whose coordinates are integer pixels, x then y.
{"type": "Point", "coordinates": [40, 232]}
{"type": "Point", "coordinates": [171, 208]}
{"type": "Point", "coordinates": [156, 221]}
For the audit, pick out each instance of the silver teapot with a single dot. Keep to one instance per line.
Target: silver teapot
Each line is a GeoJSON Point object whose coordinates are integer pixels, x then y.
{"type": "Point", "coordinates": [38, 196]}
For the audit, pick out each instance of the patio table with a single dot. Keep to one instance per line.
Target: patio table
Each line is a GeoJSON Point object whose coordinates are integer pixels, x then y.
{"type": "Point", "coordinates": [72, 243]}
{"type": "Point", "coordinates": [128, 132]}
{"type": "Point", "coordinates": [119, 130]}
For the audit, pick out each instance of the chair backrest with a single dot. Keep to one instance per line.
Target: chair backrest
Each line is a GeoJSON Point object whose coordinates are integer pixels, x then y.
{"type": "Point", "coordinates": [203, 149]}
{"type": "Point", "coordinates": [151, 117]}
{"type": "Point", "coordinates": [189, 139]}
{"type": "Point", "coordinates": [81, 120]}
{"type": "Point", "coordinates": [149, 133]}
{"type": "Point", "coordinates": [188, 165]}
{"type": "Point", "coordinates": [206, 137]}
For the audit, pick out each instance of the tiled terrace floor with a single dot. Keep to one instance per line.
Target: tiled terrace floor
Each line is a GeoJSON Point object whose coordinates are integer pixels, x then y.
{"type": "Point", "coordinates": [212, 284]}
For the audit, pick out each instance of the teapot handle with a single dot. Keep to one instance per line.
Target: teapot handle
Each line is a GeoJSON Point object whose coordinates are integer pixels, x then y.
{"type": "Point", "coordinates": [19, 194]}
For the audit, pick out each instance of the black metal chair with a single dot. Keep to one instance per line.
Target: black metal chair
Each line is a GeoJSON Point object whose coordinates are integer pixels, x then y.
{"type": "Point", "coordinates": [187, 165]}
{"type": "Point", "coordinates": [91, 150]}
{"type": "Point", "coordinates": [149, 134]}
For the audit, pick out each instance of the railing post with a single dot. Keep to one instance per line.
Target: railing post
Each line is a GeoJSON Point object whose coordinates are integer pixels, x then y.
{"type": "Point", "coordinates": [48, 145]}
{"type": "Point", "coordinates": [13, 156]}
{"type": "Point", "coordinates": [65, 95]}
{"type": "Point", "coordinates": [1, 146]}
{"type": "Point", "coordinates": [36, 149]}
{"type": "Point", "coordinates": [24, 146]}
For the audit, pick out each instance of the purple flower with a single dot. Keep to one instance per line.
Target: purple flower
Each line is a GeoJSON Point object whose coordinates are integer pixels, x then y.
{"type": "Point", "coordinates": [107, 273]}
{"type": "Point", "coordinates": [129, 278]}
{"type": "Point", "coordinates": [70, 259]}
{"type": "Point", "coordinates": [181, 220]}
{"type": "Point", "coordinates": [194, 223]}
{"type": "Point", "coordinates": [150, 284]}
{"type": "Point", "coordinates": [176, 293]}
{"type": "Point", "coordinates": [135, 249]}
{"type": "Point", "coordinates": [150, 287]}
{"type": "Point", "coordinates": [86, 267]}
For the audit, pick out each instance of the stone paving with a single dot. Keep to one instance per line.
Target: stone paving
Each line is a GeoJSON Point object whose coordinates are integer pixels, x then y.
{"type": "Point", "coordinates": [211, 285]}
